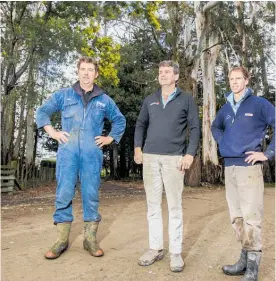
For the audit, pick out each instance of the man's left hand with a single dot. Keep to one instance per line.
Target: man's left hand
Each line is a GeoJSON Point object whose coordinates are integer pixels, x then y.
{"type": "Point", "coordinates": [255, 157]}
{"type": "Point", "coordinates": [101, 141]}
{"type": "Point", "coordinates": [186, 162]}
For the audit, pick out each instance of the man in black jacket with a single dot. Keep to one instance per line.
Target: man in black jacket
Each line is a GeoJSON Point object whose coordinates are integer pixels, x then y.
{"type": "Point", "coordinates": [163, 119]}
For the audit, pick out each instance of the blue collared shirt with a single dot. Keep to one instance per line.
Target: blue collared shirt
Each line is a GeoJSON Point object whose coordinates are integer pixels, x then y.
{"type": "Point", "coordinates": [170, 97]}
{"type": "Point", "coordinates": [235, 106]}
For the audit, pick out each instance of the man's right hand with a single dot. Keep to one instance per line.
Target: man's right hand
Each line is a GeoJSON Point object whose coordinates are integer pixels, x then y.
{"type": "Point", "coordinates": [61, 137]}
{"type": "Point", "coordinates": [138, 155]}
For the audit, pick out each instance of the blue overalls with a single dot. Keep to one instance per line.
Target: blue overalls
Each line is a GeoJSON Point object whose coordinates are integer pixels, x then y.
{"type": "Point", "coordinates": [80, 156]}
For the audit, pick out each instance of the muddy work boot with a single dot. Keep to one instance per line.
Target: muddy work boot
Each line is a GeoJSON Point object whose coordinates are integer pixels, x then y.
{"type": "Point", "coordinates": [150, 257]}
{"type": "Point", "coordinates": [252, 269]}
{"type": "Point", "coordinates": [238, 268]}
{"type": "Point", "coordinates": [90, 243]}
{"type": "Point", "coordinates": [176, 263]}
{"type": "Point", "coordinates": [62, 242]}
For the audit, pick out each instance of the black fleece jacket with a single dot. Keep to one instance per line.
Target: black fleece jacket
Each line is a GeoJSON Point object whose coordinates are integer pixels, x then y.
{"type": "Point", "coordinates": [163, 130]}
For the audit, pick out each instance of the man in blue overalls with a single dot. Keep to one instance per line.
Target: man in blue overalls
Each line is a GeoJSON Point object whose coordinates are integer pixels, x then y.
{"type": "Point", "coordinates": [83, 109]}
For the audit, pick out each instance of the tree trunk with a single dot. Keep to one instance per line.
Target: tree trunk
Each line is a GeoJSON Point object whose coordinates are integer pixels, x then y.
{"type": "Point", "coordinates": [30, 138]}
{"type": "Point", "coordinates": [7, 136]}
{"type": "Point", "coordinates": [114, 162]}
{"type": "Point", "coordinates": [20, 128]}
{"type": "Point", "coordinates": [193, 175]}
{"type": "Point", "coordinates": [240, 28]}
{"type": "Point", "coordinates": [263, 70]}
{"type": "Point", "coordinates": [22, 156]}
{"type": "Point", "coordinates": [203, 22]}
{"type": "Point", "coordinates": [30, 122]}
{"type": "Point", "coordinates": [208, 63]}
{"type": "Point", "coordinates": [266, 166]}
{"type": "Point", "coordinates": [123, 168]}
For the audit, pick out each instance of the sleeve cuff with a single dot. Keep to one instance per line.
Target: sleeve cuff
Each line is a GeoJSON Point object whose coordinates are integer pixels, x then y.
{"type": "Point", "coordinates": [270, 154]}
{"type": "Point", "coordinates": [42, 125]}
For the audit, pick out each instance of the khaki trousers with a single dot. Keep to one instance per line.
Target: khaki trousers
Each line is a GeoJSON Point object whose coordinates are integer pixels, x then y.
{"type": "Point", "coordinates": [159, 171]}
{"type": "Point", "coordinates": [244, 194]}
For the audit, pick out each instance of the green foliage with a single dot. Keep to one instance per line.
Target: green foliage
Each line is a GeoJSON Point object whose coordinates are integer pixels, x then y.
{"type": "Point", "coordinates": [47, 36]}
{"type": "Point", "coordinates": [147, 10]}
{"type": "Point", "coordinates": [49, 163]}
{"type": "Point", "coordinates": [107, 50]}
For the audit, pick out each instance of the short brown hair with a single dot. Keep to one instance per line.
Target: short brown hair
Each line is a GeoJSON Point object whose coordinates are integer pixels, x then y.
{"type": "Point", "coordinates": [172, 64]}
{"type": "Point", "coordinates": [242, 69]}
{"type": "Point", "coordinates": [88, 60]}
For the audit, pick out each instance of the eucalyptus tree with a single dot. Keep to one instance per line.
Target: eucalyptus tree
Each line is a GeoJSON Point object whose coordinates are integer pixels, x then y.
{"type": "Point", "coordinates": [38, 38]}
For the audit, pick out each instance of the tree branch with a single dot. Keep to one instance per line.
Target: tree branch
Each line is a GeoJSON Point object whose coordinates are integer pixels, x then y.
{"type": "Point", "coordinates": [210, 5]}
{"type": "Point", "coordinates": [18, 20]}
{"type": "Point", "coordinates": [157, 42]}
{"type": "Point", "coordinates": [48, 11]}
{"type": "Point", "coordinates": [11, 84]}
{"type": "Point", "coordinates": [270, 58]}
{"type": "Point", "coordinates": [127, 22]}
{"type": "Point", "coordinates": [218, 43]}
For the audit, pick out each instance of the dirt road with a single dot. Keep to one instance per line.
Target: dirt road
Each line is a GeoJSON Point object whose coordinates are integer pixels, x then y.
{"type": "Point", "coordinates": [28, 231]}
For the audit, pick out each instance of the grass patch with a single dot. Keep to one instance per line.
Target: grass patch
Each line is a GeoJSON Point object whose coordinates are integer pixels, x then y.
{"type": "Point", "coordinates": [269, 185]}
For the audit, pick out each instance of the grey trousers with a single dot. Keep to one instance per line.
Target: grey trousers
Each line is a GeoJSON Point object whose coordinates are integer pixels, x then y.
{"type": "Point", "coordinates": [162, 171]}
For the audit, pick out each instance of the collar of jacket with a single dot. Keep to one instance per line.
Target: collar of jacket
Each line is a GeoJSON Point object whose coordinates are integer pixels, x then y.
{"type": "Point", "coordinates": [97, 91]}
{"type": "Point", "coordinates": [159, 91]}
{"type": "Point", "coordinates": [249, 92]}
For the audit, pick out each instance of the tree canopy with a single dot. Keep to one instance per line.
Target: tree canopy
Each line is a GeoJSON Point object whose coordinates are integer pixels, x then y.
{"type": "Point", "coordinates": [42, 40]}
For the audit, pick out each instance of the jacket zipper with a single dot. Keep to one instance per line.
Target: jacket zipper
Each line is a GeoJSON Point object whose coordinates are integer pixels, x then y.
{"type": "Point", "coordinates": [84, 115]}
{"type": "Point", "coordinates": [168, 101]}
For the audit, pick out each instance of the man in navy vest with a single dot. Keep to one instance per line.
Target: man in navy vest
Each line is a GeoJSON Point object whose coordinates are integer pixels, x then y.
{"type": "Point", "coordinates": [83, 108]}
{"type": "Point", "coordinates": [239, 129]}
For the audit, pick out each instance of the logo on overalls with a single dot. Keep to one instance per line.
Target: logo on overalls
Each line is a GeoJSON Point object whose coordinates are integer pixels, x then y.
{"type": "Point", "coordinates": [100, 104]}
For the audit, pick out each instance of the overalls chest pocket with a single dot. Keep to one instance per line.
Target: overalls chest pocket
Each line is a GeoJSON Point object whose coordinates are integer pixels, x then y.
{"type": "Point", "coordinates": [98, 113]}
{"type": "Point", "coordinates": [69, 114]}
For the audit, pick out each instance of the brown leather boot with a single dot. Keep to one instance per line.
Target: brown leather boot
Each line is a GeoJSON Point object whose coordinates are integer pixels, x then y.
{"type": "Point", "coordinates": [62, 242]}
{"type": "Point", "coordinates": [90, 243]}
